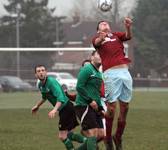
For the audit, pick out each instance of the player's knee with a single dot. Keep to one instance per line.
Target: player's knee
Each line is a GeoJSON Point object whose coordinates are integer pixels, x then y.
{"type": "Point", "coordinates": [109, 115]}
{"type": "Point", "coordinates": [85, 133]}
{"type": "Point", "coordinates": [111, 110]}
{"type": "Point", "coordinates": [123, 104]}
{"type": "Point", "coordinates": [124, 108]}
{"type": "Point", "coordinates": [111, 107]}
{"type": "Point", "coordinates": [93, 132]}
{"type": "Point", "coordinates": [100, 135]}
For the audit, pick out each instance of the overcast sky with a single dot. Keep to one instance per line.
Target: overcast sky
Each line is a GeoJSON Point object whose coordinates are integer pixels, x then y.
{"type": "Point", "coordinates": [64, 7]}
{"type": "Point", "coordinates": [59, 4]}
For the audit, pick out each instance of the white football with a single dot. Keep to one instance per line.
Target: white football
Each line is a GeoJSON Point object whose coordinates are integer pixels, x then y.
{"type": "Point", "coordinates": [105, 5]}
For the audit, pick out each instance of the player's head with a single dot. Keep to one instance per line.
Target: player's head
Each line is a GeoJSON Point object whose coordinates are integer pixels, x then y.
{"type": "Point", "coordinates": [103, 26]}
{"type": "Point", "coordinates": [40, 72]}
{"type": "Point", "coordinates": [95, 59]}
{"type": "Point", "coordinates": [85, 62]}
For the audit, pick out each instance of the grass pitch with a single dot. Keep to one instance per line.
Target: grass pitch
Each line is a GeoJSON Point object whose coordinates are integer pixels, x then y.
{"type": "Point", "coordinates": [147, 123]}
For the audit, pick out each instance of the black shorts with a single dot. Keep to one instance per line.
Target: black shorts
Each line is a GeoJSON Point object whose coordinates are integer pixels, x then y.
{"type": "Point", "coordinates": [88, 117]}
{"type": "Point", "coordinates": [68, 120]}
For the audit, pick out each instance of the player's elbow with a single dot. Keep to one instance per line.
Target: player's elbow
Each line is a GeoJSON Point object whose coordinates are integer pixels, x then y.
{"type": "Point", "coordinates": [129, 37]}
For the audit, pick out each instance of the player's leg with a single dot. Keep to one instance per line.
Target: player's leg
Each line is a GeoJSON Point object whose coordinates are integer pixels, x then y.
{"type": "Point", "coordinates": [87, 117]}
{"type": "Point", "coordinates": [122, 119]}
{"type": "Point", "coordinates": [103, 119]}
{"type": "Point", "coordinates": [124, 99]}
{"type": "Point", "coordinates": [117, 138]}
{"type": "Point", "coordinates": [113, 86]}
{"type": "Point", "coordinates": [72, 116]}
{"type": "Point", "coordinates": [109, 117]}
{"type": "Point", "coordinates": [91, 135]}
{"type": "Point", "coordinates": [68, 122]}
{"type": "Point", "coordinates": [91, 140]}
{"type": "Point", "coordinates": [100, 131]}
{"type": "Point", "coordinates": [100, 135]}
{"type": "Point", "coordinates": [76, 137]}
{"type": "Point", "coordinates": [63, 136]}
{"type": "Point", "coordinates": [67, 142]}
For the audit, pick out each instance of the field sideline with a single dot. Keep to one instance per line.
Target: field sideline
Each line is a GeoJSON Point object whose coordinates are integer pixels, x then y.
{"type": "Point", "coordinates": [147, 127]}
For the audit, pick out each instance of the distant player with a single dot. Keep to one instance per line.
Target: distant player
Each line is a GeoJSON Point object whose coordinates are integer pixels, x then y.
{"type": "Point", "coordinates": [52, 91]}
{"type": "Point", "coordinates": [85, 62]}
{"type": "Point", "coordinates": [117, 79]}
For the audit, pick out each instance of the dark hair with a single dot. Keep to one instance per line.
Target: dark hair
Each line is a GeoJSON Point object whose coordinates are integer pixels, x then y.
{"type": "Point", "coordinates": [99, 24]}
{"type": "Point", "coordinates": [38, 66]}
{"type": "Point", "coordinates": [84, 61]}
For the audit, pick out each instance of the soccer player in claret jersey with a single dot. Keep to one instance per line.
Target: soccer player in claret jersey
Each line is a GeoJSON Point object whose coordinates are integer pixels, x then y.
{"type": "Point", "coordinates": [117, 79]}
{"type": "Point", "coordinates": [51, 90]}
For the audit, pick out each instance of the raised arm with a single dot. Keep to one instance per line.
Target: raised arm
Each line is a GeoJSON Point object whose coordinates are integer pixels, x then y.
{"type": "Point", "coordinates": [128, 24]}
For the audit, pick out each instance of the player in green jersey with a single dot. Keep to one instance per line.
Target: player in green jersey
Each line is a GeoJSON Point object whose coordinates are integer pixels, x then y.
{"type": "Point", "coordinates": [52, 91]}
{"type": "Point", "coordinates": [88, 100]}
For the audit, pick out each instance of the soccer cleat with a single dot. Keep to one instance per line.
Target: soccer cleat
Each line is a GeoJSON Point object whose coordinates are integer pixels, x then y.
{"type": "Point", "coordinates": [109, 145]}
{"type": "Point", "coordinates": [118, 143]}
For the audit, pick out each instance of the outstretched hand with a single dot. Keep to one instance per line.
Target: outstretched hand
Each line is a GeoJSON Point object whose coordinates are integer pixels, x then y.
{"type": "Point", "coordinates": [128, 22]}
{"type": "Point", "coordinates": [94, 105]}
{"type": "Point", "coordinates": [102, 35]}
{"type": "Point", "coordinates": [52, 113]}
{"type": "Point", "coordinates": [34, 110]}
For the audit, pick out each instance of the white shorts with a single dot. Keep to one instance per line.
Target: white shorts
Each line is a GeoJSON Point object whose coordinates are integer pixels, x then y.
{"type": "Point", "coordinates": [118, 85]}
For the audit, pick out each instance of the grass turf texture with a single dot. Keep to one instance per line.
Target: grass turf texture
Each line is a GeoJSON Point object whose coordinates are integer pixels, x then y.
{"type": "Point", "coordinates": [147, 127]}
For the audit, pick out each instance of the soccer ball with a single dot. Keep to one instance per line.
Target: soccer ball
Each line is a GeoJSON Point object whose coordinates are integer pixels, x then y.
{"type": "Point", "coordinates": [105, 5]}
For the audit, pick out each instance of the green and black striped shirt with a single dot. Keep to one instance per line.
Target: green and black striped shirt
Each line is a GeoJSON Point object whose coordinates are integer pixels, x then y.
{"type": "Point", "coordinates": [88, 86]}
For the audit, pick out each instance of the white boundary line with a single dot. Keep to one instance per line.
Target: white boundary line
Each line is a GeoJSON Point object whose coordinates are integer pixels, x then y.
{"type": "Point", "coordinates": [49, 49]}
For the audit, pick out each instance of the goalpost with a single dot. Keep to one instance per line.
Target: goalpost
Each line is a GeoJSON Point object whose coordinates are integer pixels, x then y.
{"type": "Point", "coordinates": [49, 49]}
{"type": "Point", "coordinates": [65, 59]}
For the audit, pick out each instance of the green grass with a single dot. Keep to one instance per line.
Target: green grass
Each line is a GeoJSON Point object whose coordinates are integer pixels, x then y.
{"type": "Point", "coordinates": [147, 123]}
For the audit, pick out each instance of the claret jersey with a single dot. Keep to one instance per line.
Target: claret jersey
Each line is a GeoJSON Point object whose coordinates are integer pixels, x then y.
{"type": "Point", "coordinates": [111, 50]}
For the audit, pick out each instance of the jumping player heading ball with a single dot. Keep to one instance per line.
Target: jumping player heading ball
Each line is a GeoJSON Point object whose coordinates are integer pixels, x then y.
{"type": "Point", "coordinates": [117, 79]}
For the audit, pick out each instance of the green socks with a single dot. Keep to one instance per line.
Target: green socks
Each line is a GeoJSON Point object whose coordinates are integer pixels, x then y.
{"type": "Point", "coordinates": [87, 143]}
{"type": "Point", "coordinates": [76, 137]}
{"type": "Point", "coordinates": [82, 146]}
{"type": "Point", "coordinates": [91, 143]}
{"type": "Point", "coordinates": [68, 144]}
